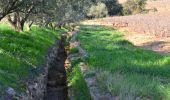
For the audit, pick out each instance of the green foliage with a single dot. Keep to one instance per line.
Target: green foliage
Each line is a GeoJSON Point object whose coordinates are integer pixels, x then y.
{"type": "Point", "coordinates": [62, 12]}
{"type": "Point", "coordinates": [77, 83]}
{"type": "Point", "coordinates": [43, 12]}
{"type": "Point", "coordinates": [114, 8]}
{"type": "Point", "coordinates": [102, 8]}
{"type": "Point", "coordinates": [125, 70]}
{"type": "Point", "coordinates": [134, 7]}
{"type": "Point", "coordinates": [21, 54]}
{"type": "Point", "coordinates": [74, 50]}
{"type": "Point", "coordinates": [9, 6]}
{"type": "Point", "coordinates": [98, 11]}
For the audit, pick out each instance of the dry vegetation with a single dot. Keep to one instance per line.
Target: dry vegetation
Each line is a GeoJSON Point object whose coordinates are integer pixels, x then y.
{"type": "Point", "coordinates": [154, 26]}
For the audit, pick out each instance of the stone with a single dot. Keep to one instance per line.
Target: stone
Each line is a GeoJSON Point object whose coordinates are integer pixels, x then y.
{"type": "Point", "coordinates": [11, 91]}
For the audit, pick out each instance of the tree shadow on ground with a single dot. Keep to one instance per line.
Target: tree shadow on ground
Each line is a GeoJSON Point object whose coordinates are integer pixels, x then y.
{"type": "Point", "coordinates": [159, 46]}
{"type": "Point", "coordinates": [142, 71]}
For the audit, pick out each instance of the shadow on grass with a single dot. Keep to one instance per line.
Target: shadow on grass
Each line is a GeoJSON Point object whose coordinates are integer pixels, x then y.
{"type": "Point", "coordinates": [108, 51]}
{"type": "Point", "coordinates": [161, 46]}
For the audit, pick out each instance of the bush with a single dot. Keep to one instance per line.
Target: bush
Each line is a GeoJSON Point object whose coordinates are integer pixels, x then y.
{"type": "Point", "coordinates": [114, 8]}
{"type": "Point", "coordinates": [98, 11]}
{"type": "Point", "coordinates": [134, 6]}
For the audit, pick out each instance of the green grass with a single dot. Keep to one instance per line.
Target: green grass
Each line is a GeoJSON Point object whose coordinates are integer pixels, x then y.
{"type": "Point", "coordinates": [74, 50]}
{"type": "Point", "coordinates": [22, 54]}
{"type": "Point", "coordinates": [77, 83]}
{"type": "Point", "coordinates": [128, 72]}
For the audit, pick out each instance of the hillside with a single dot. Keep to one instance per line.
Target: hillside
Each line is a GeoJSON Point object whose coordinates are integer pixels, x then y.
{"type": "Point", "coordinates": [121, 70]}
{"type": "Point", "coordinates": [154, 26]}
{"type": "Point", "coordinates": [51, 53]}
{"type": "Point", "coordinates": [160, 5]}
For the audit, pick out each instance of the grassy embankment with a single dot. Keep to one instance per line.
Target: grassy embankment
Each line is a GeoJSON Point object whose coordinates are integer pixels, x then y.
{"type": "Point", "coordinates": [128, 72]}
{"type": "Point", "coordinates": [22, 54]}
{"type": "Point", "coordinates": [77, 83]}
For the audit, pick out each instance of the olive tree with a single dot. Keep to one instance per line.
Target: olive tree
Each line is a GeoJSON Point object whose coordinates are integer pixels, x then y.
{"type": "Point", "coordinates": [43, 12]}
{"type": "Point", "coordinates": [134, 6]}
{"type": "Point", "coordinates": [98, 11]}
{"type": "Point", "coordinates": [61, 12]}
{"type": "Point", "coordinates": [19, 17]}
{"type": "Point", "coordinates": [113, 6]}
{"type": "Point", "coordinates": [9, 6]}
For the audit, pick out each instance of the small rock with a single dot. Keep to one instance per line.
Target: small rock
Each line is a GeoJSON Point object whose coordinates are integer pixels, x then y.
{"type": "Point", "coordinates": [11, 91]}
{"type": "Point", "coordinates": [27, 91]}
{"type": "Point", "coordinates": [91, 81]}
{"type": "Point", "coordinates": [35, 86]}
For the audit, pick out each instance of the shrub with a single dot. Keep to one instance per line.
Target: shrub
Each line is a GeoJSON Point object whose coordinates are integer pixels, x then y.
{"type": "Point", "coordinates": [134, 6]}
{"type": "Point", "coordinates": [97, 11]}
{"type": "Point", "coordinates": [113, 6]}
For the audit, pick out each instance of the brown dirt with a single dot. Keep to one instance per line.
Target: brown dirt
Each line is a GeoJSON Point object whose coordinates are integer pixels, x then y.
{"type": "Point", "coordinates": [161, 45]}
{"type": "Point", "coordinates": [152, 30]}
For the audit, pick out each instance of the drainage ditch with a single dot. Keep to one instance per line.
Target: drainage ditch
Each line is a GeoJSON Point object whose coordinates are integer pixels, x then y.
{"type": "Point", "coordinates": [57, 85]}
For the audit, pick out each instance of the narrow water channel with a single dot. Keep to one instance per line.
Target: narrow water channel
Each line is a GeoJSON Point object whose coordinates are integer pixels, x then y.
{"type": "Point", "coordinates": [57, 85]}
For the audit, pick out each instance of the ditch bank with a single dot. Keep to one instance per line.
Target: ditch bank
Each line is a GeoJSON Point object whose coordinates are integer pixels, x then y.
{"type": "Point", "coordinates": [56, 83]}
{"type": "Point", "coordinates": [50, 83]}
{"type": "Point", "coordinates": [89, 76]}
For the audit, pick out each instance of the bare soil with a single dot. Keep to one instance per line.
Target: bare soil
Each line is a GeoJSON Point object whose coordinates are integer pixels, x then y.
{"type": "Point", "coordinates": [161, 45]}
{"type": "Point", "coordinates": [151, 30]}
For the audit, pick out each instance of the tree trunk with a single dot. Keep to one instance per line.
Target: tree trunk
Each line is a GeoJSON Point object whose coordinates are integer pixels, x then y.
{"type": "Point", "coordinates": [59, 25]}
{"type": "Point", "coordinates": [29, 26]}
{"type": "Point", "coordinates": [46, 24]}
{"type": "Point", "coordinates": [21, 23]}
{"type": "Point", "coordinates": [13, 22]}
{"type": "Point", "coordinates": [20, 27]}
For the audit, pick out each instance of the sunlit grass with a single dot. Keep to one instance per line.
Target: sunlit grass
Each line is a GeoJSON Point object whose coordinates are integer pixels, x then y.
{"type": "Point", "coordinates": [126, 71]}
{"type": "Point", "coordinates": [77, 83]}
{"type": "Point", "coordinates": [22, 54]}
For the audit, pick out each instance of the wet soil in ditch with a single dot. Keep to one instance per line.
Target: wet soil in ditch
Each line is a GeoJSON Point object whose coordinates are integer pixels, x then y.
{"type": "Point", "coordinates": [57, 86]}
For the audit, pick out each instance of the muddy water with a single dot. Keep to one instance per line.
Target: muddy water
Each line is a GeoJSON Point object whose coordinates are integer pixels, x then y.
{"type": "Point", "coordinates": [57, 86]}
